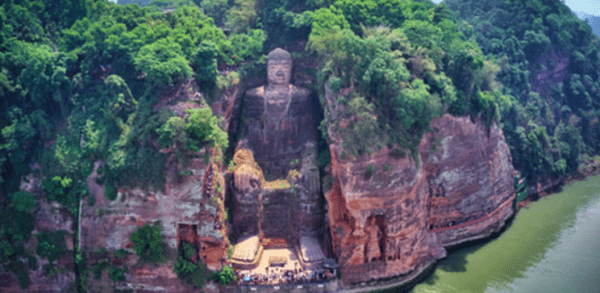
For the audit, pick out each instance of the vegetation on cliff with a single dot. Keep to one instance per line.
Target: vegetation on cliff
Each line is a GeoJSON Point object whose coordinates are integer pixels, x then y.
{"type": "Point", "coordinates": [403, 63]}
{"type": "Point", "coordinates": [549, 62]}
{"type": "Point", "coordinates": [148, 243]}
{"type": "Point", "coordinates": [80, 79]}
{"type": "Point", "coordinates": [77, 83]}
{"type": "Point", "coordinates": [188, 267]}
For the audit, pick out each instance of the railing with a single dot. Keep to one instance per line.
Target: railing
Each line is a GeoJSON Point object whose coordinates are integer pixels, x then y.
{"type": "Point", "coordinates": [522, 190]}
{"type": "Point", "coordinates": [511, 199]}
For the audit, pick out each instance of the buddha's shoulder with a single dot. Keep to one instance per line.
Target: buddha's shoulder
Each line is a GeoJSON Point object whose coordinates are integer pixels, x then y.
{"type": "Point", "coordinates": [298, 91]}
{"type": "Point", "coordinates": [256, 92]}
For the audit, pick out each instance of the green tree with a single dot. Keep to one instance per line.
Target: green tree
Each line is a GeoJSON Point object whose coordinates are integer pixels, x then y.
{"type": "Point", "coordinates": [373, 12]}
{"type": "Point", "coordinates": [16, 137]}
{"type": "Point", "coordinates": [173, 132]}
{"type": "Point", "coordinates": [535, 44]}
{"type": "Point", "coordinates": [225, 276]}
{"type": "Point", "coordinates": [51, 245]}
{"type": "Point", "coordinates": [216, 9]}
{"type": "Point", "coordinates": [203, 127]}
{"type": "Point", "coordinates": [163, 62]}
{"type": "Point", "coordinates": [246, 46]}
{"type": "Point", "coordinates": [117, 274]}
{"type": "Point", "coordinates": [62, 190]}
{"type": "Point", "coordinates": [148, 243]}
{"type": "Point", "coordinates": [90, 139]}
{"type": "Point", "coordinates": [205, 64]}
{"type": "Point", "coordinates": [242, 16]}
{"type": "Point", "coordinates": [15, 230]}
{"type": "Point", "coordinates": [44, 76]}
{"type": "Point", "coordinates": [190, 272]}
{"type": "Point", "coordinates": [532, 38]}
{"type": "Point", "coordinates": [121, 102]}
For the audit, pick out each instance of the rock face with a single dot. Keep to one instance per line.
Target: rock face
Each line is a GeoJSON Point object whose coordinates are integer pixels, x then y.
{"type": "Point", "coordinates": [399, 218]}
{"type": "Point", "coordinates": [389, 222]}
{"type": "Point", "coordinates": [470, 179]}
{"type": "Point", "coordinates": [189, 209]}
{"type": "Point", "coordinates": [50, 217]}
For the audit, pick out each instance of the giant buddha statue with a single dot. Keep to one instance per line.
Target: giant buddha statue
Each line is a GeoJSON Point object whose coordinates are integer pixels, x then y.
{"type": "Point", "coordinates": [276, 180]}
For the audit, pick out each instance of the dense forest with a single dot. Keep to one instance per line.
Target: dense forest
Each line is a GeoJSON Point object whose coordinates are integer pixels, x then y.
{"type": "Point", "coordinates": [549, 64]}
{"type": "Point", "coordinates": [79, 78]}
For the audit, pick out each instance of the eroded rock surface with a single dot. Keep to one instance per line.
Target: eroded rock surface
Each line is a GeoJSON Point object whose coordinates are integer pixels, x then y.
{"type": "Point", "coordinates": [470, 179]}
{"type": "Point", "coordinates": [189, 209]}
{"type": "Point", "coordinates": [395, 220]}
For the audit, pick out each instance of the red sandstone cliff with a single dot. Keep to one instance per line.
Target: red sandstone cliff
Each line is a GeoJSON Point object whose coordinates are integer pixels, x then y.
{"type": "Point", "coordinates": [392, 223]}
{"type": "Point", "coordinates": [190, 208]}
{"type": "Point", "coordinates": [398, 220]}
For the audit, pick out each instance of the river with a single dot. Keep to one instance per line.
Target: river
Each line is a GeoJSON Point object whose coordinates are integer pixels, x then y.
{"type": "Point", "coordinates": [552, 245]}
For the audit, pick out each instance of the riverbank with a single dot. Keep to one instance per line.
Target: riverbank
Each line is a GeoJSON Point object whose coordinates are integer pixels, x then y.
{"type": "Point", "coordinates": [555, 237]}
{"type": "Point", "coordinates": [589, 167]}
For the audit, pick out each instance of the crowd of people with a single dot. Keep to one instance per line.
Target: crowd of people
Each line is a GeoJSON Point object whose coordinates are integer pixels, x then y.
{"type": "Point", "coordinates": [276, 276]}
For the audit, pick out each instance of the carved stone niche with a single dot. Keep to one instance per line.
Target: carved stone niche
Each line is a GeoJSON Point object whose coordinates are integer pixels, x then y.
{"type": "Point", "coordinates": [187, 233]}
{"type": "Point", "coordinates": [275, 172]}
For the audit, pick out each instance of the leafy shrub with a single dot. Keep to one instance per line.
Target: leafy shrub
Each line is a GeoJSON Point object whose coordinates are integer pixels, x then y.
{"type": "Point", "coordinates": [99, 267]}
{"type": "Point", "coordinates": [51, 246]}
{"type": "Point", "coordinates": [188, 271]}
{"type": "Point", "coordinates": [230, 251]}
{"type": "Point", "coordinates": [110, 191]}
{"type": "Point", "coordinates": [363, 135]}
{"type": "Point", "coordinates": [117, 274]}
{"type": "Point", "coordinates": [148, 243]}
{"type": "Point", "coordinates": [397, 153]}
{"type": "Point", "coordinates": [327, 182]}
{"type": "Point", "coordinates": [225, 276]}
{"type": "Point", "coordinates": [335, 83]}
{"type": "Point", "coordinates": [60, 189]}
{"type": "Point", "coordinates": [91, 200]}
{"type": "Point", "coordinates": [100, 180]}
{"type": "Point", "coordinates": [121, 253]}
{"type": "Point", "coordinates": [185, 173]}
{"type": "Point", "coordinates": [369, 171]}
{"type": "Point", "coordinates": [203, 127]}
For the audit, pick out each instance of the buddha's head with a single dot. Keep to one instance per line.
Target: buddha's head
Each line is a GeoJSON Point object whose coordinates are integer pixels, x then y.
{"type": "Point", "coordinates": [279, 67]}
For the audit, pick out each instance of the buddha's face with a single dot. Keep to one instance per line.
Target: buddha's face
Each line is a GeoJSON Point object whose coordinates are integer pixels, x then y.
{"type": "Point", "coordinates": [279, 71]}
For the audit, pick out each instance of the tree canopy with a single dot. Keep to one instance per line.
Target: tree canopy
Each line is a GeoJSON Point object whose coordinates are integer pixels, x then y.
{"type": "Point", "coordinates": [80, 81]}
{"type": "Point", "coordinates": [549, 62]}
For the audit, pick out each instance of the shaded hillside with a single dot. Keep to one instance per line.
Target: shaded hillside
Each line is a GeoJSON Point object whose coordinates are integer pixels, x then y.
{"type": "Point", "coordinates": [592, 20]}
{"type": "Point", "coordinates": [550, 62]}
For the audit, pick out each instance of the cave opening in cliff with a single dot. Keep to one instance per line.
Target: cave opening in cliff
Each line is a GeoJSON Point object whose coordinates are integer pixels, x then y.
{"type": "Point", "coordinates": [375, 248]}
{"type": "Point", "coordinates": [187, 233]}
